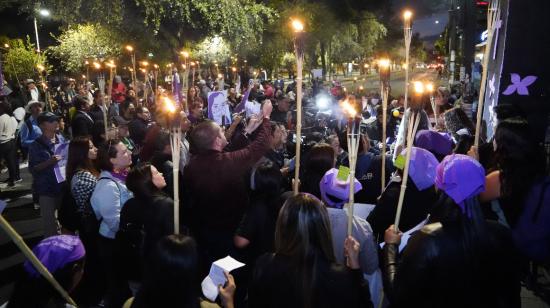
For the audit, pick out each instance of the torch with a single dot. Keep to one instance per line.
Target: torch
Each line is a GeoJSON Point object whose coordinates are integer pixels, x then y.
{"type": "Point", "coordinates": [298, 27]}
{"type": "Point", "coordinates": [131, 49]}
{"type": "Point", "coordinates": [407, 30]}
{"type": "Point", "coordinates": [430, 89]}
{"type": "Point", "coordinates": [111, 65]}
{"type": "Point", "coordinates": [384, 71]}
{"type": "Point", "coordinates": [353, 138]}
{"type": "Point", "coordinates": [413, 122]}
{"type": "Point", "coordinates": [175, 145]}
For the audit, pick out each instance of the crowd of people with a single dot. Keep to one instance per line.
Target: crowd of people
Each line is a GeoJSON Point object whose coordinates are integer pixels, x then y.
{"type": "Point", "coordinates": [481, 214]}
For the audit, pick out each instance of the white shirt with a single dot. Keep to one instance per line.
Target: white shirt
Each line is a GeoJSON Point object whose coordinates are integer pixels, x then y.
{"type": "Point", "coordinates": [34, 94]}
{"type": "Point", "coordinates": [8, 126]}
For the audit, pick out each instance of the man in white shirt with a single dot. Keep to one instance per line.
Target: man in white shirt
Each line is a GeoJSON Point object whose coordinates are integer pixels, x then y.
{"type": "Point", "coordinates": [8, 126]}
{"type": "Point", "coordinates": [33, 93]}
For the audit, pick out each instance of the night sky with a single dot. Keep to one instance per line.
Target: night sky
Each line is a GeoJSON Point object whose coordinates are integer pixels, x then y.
{"type": "Point", "coordinates": [19, 25]}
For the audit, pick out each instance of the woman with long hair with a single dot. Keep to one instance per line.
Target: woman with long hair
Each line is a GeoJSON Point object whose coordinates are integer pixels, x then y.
{"type": "Point", "coordinates": [257, 229]}
{"type": "Point", "coordinates": [320, 159]}
{"type": "Point", "coordinates": [520, 164]}
{"type": "Point", "coordinates": [303, 271]}
{"type": "Point", "coordinates": [109, 195]}
{"type": "Point", "coordinates": [144, 219]}
{"type": "Point", "coordinates": [172, 278]}
{"type": "Point", "coordinates": [459, 259]}
{"type": "Point", "coordinates": [81, 171]}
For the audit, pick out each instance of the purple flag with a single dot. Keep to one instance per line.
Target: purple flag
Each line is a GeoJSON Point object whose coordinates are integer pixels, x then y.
{"type": "Point", "coordinates": [240, 106]}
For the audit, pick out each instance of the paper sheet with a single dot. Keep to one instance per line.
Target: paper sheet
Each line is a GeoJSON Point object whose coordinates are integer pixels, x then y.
{"type": "Point", "coordinates": [407, 235]}
{"type": "Point", "coordinates": [216, 276]}
{"type": "Point", "coordinates": [59, 169]}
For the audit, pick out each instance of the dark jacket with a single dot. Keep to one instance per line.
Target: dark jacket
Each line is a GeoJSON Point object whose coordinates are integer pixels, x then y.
{"type": "Point", "coordinates": [138, 129]}
{"type": "Point", "coordinates": [82, 125]}
{"type": "Point", "coordinates": [276, 283]}
{"type": "Point", "coordinates": [155, 217]}
{"type": "Point", "coordinates": [217, 183]}
{"type": "Point", "coordinates": [44, 181]}
{"type": "Point", "coordinates": [416, 206]}
{"type": "Point", "coordinates": [435, 271]}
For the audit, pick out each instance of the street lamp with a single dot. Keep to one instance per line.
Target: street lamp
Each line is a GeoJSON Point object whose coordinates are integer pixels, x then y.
{"type": "Point", "coordinates": [407, 31]}
{"type": "Point", "coordinates": [298, 28]}
{"type": "Point", "coordinates": [44, 13]}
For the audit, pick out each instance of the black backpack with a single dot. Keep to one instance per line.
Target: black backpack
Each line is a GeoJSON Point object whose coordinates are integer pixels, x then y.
{"type": "Point", "coordinates": [129, 241]}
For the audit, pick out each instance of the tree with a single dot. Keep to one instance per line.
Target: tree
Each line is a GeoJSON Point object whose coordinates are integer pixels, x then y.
{"type": "Point", "coordinates": [82, 42]}
{"type": "Point", "coordinates": [21, 60]}
{"type": "Point", "coordinates": [212, 49]}
{"type": "Point", "coordinates": [241, 22]}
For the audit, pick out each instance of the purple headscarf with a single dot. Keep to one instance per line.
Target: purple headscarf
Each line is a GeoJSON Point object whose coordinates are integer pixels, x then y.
{"type": "Point", "coordinates": [434, 142]}
{"type": "Point", "coordinates": [460, 177]}
{"type": "Point", "coordinates": [332, 188]}
{"type": "Point", "coordinates": [55, 252]}
{"type": "Point", "coordinates": [422, 167]}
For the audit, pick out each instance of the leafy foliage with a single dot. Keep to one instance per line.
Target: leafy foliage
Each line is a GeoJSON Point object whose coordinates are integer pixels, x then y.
{"type": "Point", "coordinates": [21, 60]}
{"type": "Point", "coordinates": [212, 49]}
{"type": "Point", "coordinates": [82, 42]}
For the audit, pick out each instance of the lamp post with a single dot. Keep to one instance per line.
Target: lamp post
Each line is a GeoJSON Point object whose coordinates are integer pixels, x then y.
{"type": "Point", "coordinates": [44, 13]}
{"type": "Point", "coordinates": [131, 49]}
{"type": "Point", "coordinates": [407, 31]}
{"type": "Point", "coordinates": [298, 28]}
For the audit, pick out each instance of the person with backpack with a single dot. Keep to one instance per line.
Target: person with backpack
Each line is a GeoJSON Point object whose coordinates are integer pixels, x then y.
{"type": "Point", "coordinates": [144, 220]}
{"type": "Point", "coordinates": [76, 214]}
{"type": "Point", "coordinates": [109, 195]}
{"type": "Point", "coordinates": [42, 162]}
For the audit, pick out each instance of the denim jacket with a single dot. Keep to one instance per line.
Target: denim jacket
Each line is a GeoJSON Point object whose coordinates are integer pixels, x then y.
{"type": "Point", "coordinates": [44, 181]}
{"type": "Point", "coordinates": [107, 199]}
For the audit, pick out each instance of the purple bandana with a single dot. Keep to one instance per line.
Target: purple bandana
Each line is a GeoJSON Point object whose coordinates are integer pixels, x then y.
{"type": "Point", "coordinates": [335, 193]}
{"type": "Point", "coordinates": [422, 167]}
{"type": "Point", "coordinates": [55, 252]}
{"type": "Point", "coordinates": [120, 175]}
{"type": "Point", "coordinates": [434, 142]}
{"type": "Point", "coordinates": [461, 177]}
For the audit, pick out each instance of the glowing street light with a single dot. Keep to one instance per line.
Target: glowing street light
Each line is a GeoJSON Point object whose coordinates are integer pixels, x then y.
{"type": "Point", "coordinates": [6, 45]}
{"type": "Point", "coordinates": [97, 65]}
{"type": "Point", "coordinates": [44, 12]}
{"type": "Point", "coordinates": [185, 54]}
{"type": "Point", "coordinates": [144, 63]}
{"type": "Point", "coordinates": [407, 15]}
{"type": "Point", "coordinates": [129, 48]}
